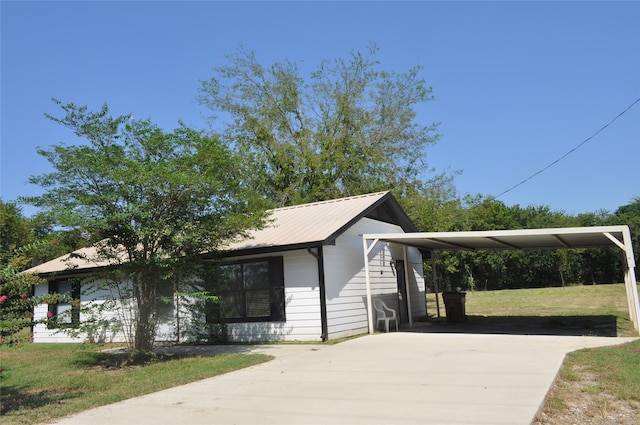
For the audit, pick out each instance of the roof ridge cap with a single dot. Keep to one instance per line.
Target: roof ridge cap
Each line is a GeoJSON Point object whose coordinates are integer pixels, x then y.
{"type": "Point", "coordinates": [331, 201]}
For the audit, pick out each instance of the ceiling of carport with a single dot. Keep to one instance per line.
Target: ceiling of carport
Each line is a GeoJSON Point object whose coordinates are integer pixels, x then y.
{"type": "Point", "coordinates": [523, 239]}
{"type": "Point", "coordinates": [559, 238]}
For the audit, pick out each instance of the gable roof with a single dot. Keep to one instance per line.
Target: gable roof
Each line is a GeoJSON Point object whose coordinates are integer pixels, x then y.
{"type": "Point", "coordinates": [321, 222]}
{"type": "Point", "coordinates": [295, 227]}
{"type": "Point", "coordinates": [81, 260]}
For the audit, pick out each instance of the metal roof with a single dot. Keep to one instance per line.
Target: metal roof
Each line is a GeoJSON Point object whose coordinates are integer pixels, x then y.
{"type": "Point", "coordinates": [317, 222]}
{"type": "Point", "coordinates": [553, 238]}
{"type": "Point", "coordinates": [83, 259]}
{"type": "Point", "coordinates": [289, 227]}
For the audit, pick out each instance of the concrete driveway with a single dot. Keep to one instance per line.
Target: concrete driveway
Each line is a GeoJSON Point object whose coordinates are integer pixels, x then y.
{"type": "Point", "coordinates": [395, 378]}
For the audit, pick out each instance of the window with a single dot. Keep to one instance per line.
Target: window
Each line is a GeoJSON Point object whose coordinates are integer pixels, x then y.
{"type": "Point", "coordinates": [165, 302]}
{"type": "Point", "coordinates": [253, 290]}
{"type": "Point", "coordinates": [66, 313]}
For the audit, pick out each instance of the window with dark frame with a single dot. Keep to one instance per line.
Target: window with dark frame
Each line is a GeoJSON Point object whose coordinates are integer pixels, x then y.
{"type": "Point", "coordinates": [165, 302]}
{"type": "Point", "coordinates": [66, 313]}
{"type": "Point", "coordinates": [253, 290]}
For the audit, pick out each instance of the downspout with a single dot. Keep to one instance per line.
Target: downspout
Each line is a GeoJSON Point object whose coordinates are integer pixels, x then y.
{"type": "Point", "coordinates": [323, 292]}
{"type": "Point", "coordinates": [407, 285]}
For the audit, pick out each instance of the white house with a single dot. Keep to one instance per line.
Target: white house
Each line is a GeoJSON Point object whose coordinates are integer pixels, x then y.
{"type": "Point", "coordinates": [307, 271]}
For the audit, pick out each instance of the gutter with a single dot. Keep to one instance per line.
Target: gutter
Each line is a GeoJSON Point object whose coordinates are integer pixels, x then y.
{"type": "Point", "coordinates": [323, 291]}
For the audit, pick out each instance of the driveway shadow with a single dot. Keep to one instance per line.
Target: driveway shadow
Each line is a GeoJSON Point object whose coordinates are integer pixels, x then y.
{"type": "Point", "coordinates": [601, 325]}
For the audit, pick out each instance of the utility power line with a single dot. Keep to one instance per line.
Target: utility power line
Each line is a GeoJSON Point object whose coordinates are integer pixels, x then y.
{"type": "Point", "coordinates": [570, 152]}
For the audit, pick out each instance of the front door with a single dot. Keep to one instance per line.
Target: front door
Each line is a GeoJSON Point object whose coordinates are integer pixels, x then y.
{"type": "Point", "coordinates": [402, 292]}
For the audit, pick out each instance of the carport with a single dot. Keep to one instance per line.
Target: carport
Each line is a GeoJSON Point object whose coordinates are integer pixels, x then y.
{"type": "Point", "coordinates": [615, 237]}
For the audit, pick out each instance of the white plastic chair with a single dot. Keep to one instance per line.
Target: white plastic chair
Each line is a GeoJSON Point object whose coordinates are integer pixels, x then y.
{"type": "Point", "coordinates": [385, 314]}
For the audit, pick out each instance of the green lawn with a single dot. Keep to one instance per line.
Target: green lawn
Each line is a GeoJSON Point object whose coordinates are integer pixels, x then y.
{"type": "Point", "coordinates": [44, 381]}
{"type": "Point", "coordinates": [601, 309]}
{"type": "Point", "coordinates": [617, 369]}
{"type": "Point", "coordinates": [598, 386]}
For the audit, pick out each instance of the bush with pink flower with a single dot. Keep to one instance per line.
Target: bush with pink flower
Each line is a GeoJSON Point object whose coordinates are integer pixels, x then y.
{"type": "Point", "coordinates": [17, 303]}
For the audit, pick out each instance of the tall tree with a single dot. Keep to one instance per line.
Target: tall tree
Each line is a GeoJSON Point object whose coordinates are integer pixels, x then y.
{"type": "Point", "coordinates": [347, 129]}
{"type": "Point", "coordinates": [15, 230]}
{"type": "Point", "coordinates": [155, 200]}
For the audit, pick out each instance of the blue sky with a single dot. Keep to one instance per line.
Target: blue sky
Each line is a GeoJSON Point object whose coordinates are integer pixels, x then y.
{"type": "Point", "coordinates": [516, 84]}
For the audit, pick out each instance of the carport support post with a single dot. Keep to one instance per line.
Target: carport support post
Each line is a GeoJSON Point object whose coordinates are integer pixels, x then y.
{"type": "Point", "coordinates": [632, 296]}
{"type": "Point", "coordinates": [629, 275]}
{"type": "Point", "coordinates": [630, 282]}
{"type": "Point", "coordinates": [366, 250]}
{"type": "Point", "coordinates": [434, 258]}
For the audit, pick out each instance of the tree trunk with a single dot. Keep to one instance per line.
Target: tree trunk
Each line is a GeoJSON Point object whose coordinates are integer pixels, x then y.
{"type": "Point", "coordinates": [145, 325]}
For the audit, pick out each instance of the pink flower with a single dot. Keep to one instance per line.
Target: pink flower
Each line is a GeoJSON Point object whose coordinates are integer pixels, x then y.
{"type": "Point", "coordinates": [3, 299]}
{"type": "Point", "coordinates": [24, 297]}
{"type": "Point", "coordinates": [49, 314]}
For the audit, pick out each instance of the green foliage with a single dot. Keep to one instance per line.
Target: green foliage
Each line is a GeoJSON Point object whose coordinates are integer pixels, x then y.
{"type": "Point", "coordinates": [201, 303]}
{"type": "Point", "coordinates": [349, 128]}
{"type": "Point", "coordinates": [14, 228]}
{"type": "Point", "coordinates": [630, 215]}
{"type": "Point", "coordinates": [15, 288]}
{"type": "Point", "coordinates": [16, 298]}
{"type": "Point", "coordinates": [155, 201]}
{"type": "Point", "coordinates": [24, 243]}
{"type": "Point", "coordinates": [431, 205]}
{"type": "Point", "coordinates": [37, 233]}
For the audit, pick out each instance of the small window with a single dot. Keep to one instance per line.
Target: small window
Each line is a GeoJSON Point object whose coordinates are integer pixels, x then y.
{"type": "Point", "coordinates": [253, 291]}
{"type": "Point", "coordinates": [66, 313]}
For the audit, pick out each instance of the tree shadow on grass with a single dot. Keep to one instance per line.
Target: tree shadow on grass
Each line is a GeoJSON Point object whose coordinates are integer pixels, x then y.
{"type": "Point", "coordinates": [602, 325]}
{"type": "Point", "coordinates": [15, 398]}
{"type": "Point", "coordinates": [121, 359]}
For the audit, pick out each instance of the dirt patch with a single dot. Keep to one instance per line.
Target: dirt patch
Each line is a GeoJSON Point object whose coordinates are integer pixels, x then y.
{"type": "Point", "coordinates": [577, 399]}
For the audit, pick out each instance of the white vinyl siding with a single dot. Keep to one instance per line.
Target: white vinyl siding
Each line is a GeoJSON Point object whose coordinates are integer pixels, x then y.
{"type": "Point", "coordinates": [91, 293]}
{"type": "Point", "coordinates": [345, 293]}
{"type": "Point", "coordinates": [302, 305]}
{"type": "Point", "coordinates": [345, 280]}
{"type": "Point", "coordinates": [87, 295]}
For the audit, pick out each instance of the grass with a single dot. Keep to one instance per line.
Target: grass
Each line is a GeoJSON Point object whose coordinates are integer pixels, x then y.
{"type": "Point", "coordinates": [597, 385]}
{"type": "Point", "coordinates": [589, 307]}
{"type": "Point", "coordinates": [41, 382]}
{"type": "Point", "coordinates": [615, 369]}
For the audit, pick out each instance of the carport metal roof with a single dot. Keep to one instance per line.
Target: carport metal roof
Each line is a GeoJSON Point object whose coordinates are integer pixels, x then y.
{"type": "Point", "coordinates": [558, 238]}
